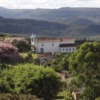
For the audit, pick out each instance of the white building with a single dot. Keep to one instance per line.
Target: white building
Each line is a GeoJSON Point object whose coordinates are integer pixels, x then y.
{"type": "Point", "coordinates": [53, 45]}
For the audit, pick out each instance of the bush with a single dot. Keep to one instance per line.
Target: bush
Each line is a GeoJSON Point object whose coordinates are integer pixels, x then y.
{"type": "Point", "coordinates": [42, 82]}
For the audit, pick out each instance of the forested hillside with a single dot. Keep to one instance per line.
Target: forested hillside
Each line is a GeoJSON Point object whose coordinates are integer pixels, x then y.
{"type": "Point", "coordinates": [77, 28]}
{"type": "Point", "coordinates": [29, 26]}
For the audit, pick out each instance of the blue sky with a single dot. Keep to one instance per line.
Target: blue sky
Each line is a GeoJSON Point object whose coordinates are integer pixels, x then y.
{"type": "Point", "coordinates": [32, 4]}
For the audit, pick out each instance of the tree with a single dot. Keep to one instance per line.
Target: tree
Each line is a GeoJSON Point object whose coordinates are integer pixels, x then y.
{"type": "Point", "coordinates": [22, 45]}
{"type": "Point", "coordinates": [28, 79]}
{"type": "Point", "coordinates": [9, 53]}
{"type": "Point", "coordinates": [55, 62]}
{"type": "Point", "coordinates": [85, 67]}
{"type": "Point", "coordinates": [64, 63]}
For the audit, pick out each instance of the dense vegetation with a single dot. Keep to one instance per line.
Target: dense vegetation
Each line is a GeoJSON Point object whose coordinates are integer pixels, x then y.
{"type": "Point", "coordinates": [28, 79]}
{"type": "Point", "coordinates": [34, 77]}
{"type": "Point", "coordinates": [85, 68]}
{"type": "Point", "coordinates": [19, 75]}
{"type": "Point", "coordinates": [59, 62]}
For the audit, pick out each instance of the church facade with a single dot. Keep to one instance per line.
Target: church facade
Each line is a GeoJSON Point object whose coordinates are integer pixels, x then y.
{"type": "Point", "coordinates": [52, 45]}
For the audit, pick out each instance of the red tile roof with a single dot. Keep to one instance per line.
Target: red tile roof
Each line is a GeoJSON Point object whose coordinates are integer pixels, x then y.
{"type": "Point", "coordinates": [46, 39]}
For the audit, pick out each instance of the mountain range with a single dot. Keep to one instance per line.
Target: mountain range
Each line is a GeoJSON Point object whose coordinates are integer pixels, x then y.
{"type": "Point", "coordinates": [71, 22]}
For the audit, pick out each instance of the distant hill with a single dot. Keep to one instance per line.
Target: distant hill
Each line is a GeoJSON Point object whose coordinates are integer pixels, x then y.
{"type": "Point", "coordinates": [70, 22]}
{"type": "Point", "coordinates": [81, 21]}
{"type": "Point", "coordinates": [29, 26]}
{"type": "Point", "coordinates": [62, 15]}
{"type": "Point", "coordinates": [25, 27]}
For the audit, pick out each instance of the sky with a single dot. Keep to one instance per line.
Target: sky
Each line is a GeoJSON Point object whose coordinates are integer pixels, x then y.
{"type": "Point", "coordinates": [32, 4]}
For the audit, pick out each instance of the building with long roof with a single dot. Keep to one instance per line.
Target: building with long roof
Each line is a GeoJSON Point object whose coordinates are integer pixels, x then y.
{"type": "Point", "coordinates": [52, 45]}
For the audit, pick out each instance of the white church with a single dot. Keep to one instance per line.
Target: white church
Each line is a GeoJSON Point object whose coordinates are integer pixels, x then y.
{"type": "Point", "coordinates": [52, 45]}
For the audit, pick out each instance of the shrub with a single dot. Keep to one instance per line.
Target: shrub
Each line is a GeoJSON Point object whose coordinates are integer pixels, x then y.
{"type": "Point", "coordinates": [42, 82]}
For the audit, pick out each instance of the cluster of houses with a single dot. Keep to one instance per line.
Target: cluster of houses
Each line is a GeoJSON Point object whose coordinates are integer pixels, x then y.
{"type": "Point", "coordinates": [53, 45]}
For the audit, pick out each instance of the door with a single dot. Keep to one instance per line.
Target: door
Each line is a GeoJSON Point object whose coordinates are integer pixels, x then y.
{"type": "Point", "coordinates": [41, 50]}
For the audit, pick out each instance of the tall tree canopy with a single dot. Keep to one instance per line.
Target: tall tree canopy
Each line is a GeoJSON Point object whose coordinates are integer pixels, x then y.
{"type": "Point", "coordinates": [85, 66]}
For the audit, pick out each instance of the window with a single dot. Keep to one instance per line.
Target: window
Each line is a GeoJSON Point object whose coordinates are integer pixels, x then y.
{"type": "Point", "coordinates": [67, 49]}
{"type": "Point", "coordinates": [63, 49]}
{"type": "Point", "coordinates": [73, 49]}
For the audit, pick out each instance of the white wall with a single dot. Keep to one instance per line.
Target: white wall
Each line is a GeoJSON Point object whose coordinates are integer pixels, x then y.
{"type": "Point", "coordinates": [48, 47]}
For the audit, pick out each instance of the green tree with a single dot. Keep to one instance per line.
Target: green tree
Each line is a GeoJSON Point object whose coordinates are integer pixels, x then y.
{"type": "Point", "coordinates": [64, 63]}
{"type": "Point", "coordinates": [55, 62]}
{"type": "Point", "coordinates": [22, 46]}
{"type": "Point", "coordinates": [85, 66]}
{"type": "Point", "coordinates": [28, 79]}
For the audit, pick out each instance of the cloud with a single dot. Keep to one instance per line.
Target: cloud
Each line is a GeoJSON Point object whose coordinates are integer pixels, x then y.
{"type": "Point", "coordinates": [48, 3]}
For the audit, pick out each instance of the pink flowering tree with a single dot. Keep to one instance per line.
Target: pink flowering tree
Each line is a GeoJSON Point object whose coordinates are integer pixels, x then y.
{"type": "Point", "coordinates": [9, 53]}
